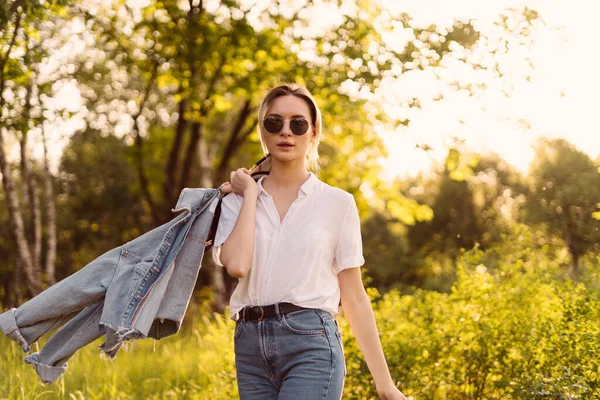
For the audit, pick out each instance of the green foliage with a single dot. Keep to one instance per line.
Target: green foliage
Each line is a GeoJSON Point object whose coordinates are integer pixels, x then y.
{"type": "Point", "coordinates": [389, 262]}
{"type": "Point", "coordinates": [498, 193]}
{"type": "Point", "coordinates": [459, 165]}
{"type": "Point", "coordinates": [455, 223]}
{"type": "Point", "coordinates": [25, 25]}
{"type": "Point", "coordinates": [216, 60]}
{"type": "Point", "coordinates": [35, 9]}
{"type": "Point", "coordinates": [564, 190]}
{"type": "Point", "coordinates": [596, 214]}
{"type": "Point", "coordinates": [514, 325]}
{"type": "Point", "coordinates": [99, 208]}
{"type": "Point", "coordinates": [195, 364]}
{"type": "Point", "coordinates": [438, 216]}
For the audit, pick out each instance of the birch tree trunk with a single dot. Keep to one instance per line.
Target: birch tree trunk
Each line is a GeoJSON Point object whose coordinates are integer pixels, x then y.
{"type": "Point", "coordinates": [16, 285]}
{"type": "Point", "coordinates": [216, 273]}
{"type": "Point", "coordinates": [33, 280]}
{"type": "Point", "coordinates": [31, 193]}
{"type": "Point", "coordinates": [50, 267]}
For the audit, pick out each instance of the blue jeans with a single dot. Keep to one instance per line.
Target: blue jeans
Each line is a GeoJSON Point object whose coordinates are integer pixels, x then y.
{"type": "Point", "coordinates": [298, 355]}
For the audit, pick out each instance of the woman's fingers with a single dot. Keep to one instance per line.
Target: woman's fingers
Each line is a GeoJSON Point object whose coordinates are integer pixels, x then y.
{"type": "Point", "coordinates": [240, 180]}
{"type": "Point", "coordinates": [225, 187]}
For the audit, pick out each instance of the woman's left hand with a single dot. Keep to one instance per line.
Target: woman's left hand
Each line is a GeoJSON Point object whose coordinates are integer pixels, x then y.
{"type": "Point", "coordinates": [226, 187]}
{"type": "Point", "coordinates": [390, 392]}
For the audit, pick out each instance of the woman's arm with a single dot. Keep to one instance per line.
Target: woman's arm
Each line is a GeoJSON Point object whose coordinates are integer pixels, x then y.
{"type": "Point", "coordinates": [359, 313]}
{"type": "Point", "coordinates": [237, 251]}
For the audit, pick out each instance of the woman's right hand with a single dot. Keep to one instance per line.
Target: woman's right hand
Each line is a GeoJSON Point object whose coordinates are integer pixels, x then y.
{"type": "Point", "coordinates": [241, 182]}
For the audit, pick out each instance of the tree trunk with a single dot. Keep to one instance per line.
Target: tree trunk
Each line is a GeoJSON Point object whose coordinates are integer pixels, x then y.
{"type": "Point", "coordinates": [216, 273]}
{"type": "Point", "coordinates": [12, 199]}
{"type": "Point", "coordinates": [139, 143]}
{"type": "Point", "coordinates": [17, 226]}
{"type": "Point", "coordinates": [190, 156]}
{"type": "Point", "coordinates": [172, 168]}
{"type": "Point", "coordinates": [16, 285]}
{"type": "Point", "coordinates": [37, 224]}
{"type": "Point", "coordinates": [32, 201]}
{"type": "Point", "coordinates": [572, 247]}
{"type": "Point", "coordinates": [50, 267]}
{"type": "Point", "coordinates": [7, 282]}
{"type": "Point", "coordinates": [30, 180]}
{"type": "Point", "coordinates": [575, 257]}
{"type": "Point", "coordinates": [232, 143]}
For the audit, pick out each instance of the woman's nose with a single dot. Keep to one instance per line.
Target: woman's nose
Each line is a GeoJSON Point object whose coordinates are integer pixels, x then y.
{"type": "Point", "coordinates": [285, 129]}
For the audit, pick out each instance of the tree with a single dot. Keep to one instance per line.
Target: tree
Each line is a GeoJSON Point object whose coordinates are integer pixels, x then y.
{"type": "Point", "coordinates": [564, 190]}
{"type": "Point", "coordinates": [100, 206]}
{"type": "Point", "coordinates": [199, 71]}
{"type": "Point", "coordinates": [455, 224]}
{"type": "Point", "coordinates": [499, 193]}
{"type": "Point", "coordinates": [22, 47]}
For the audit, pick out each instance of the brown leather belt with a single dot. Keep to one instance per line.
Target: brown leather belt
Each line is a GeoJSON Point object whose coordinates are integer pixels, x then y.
{"type": "Point", "coordinates": [258, 313]}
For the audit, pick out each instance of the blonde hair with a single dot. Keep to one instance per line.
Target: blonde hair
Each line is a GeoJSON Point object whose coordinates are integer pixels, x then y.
{"type": "Point", "coordinates": [292, 89]}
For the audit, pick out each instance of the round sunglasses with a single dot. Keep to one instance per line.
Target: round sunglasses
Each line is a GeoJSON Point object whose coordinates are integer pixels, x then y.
{"type": "Point", "coordinates": [298, 125]}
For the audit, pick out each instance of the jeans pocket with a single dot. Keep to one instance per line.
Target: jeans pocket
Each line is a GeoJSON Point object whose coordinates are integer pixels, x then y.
{"type": "Point", "coordinates": [238, 329]}
{"type": "Point", "coordinates": [305, 322]}
{"type": "Point", "coordinates": [338, 335]}
{"type": "Point", "coordinates": [139, 271]}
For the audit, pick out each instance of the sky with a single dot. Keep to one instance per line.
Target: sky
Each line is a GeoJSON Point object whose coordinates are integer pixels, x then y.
{"type": "Point", "coordinates": [558, 100]}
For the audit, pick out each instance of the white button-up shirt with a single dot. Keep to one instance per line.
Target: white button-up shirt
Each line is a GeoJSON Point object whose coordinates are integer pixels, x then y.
{"type": "Point", "coordinates": [296, 260]}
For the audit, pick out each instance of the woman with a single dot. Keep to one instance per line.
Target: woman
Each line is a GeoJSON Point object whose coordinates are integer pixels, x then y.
{"type": "Point", "coordinates": [294, 243]}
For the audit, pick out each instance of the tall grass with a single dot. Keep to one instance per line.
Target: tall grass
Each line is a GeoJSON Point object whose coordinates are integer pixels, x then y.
{"type": "Point", "coordinates": [514, 326]}
{"type": "Point", "coordinates": [197, 363]}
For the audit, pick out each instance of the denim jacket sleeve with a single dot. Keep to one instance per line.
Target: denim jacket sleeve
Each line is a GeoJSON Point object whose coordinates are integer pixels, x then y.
{"type": "Point", "coordinates": [137, 290]}
{"type": "Point", "coordinates": [159, 270]}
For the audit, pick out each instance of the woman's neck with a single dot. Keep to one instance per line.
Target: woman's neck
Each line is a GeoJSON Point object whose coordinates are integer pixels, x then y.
{"type": "Point", "coordinates": [290, 175]}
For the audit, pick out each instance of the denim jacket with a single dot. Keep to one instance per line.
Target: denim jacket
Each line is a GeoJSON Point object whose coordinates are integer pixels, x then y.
{"type": "Point", "coordinates": [137, 290]}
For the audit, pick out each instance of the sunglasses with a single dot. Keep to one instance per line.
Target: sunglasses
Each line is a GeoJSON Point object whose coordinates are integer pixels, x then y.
{"type": "Point", "coordinates": [298, 125]}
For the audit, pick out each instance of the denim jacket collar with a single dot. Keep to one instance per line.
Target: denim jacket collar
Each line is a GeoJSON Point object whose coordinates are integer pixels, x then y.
{"type": "Point", "coordinates": [189, 199]}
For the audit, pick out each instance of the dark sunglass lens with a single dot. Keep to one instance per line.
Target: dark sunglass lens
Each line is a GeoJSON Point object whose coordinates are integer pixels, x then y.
{"type": "Point", "coordinates": [299, 126]}
{"type": "Point", "coordinates": [273, 124]}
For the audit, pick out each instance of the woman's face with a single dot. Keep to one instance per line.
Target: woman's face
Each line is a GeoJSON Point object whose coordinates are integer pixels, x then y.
{"type": "Point", "coordinates": [287, 108]}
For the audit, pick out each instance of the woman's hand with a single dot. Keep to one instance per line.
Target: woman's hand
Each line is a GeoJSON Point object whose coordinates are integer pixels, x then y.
{"type": "Point", "coordinates": [241, 182]}
{"type": "Point", "coordinates": [226, 187]}
{"type": "Point", "coordinates": [391, 392]}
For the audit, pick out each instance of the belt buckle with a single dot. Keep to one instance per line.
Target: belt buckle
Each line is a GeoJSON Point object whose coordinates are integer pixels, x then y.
{"type": "Point", "coordinates": [262, 313]}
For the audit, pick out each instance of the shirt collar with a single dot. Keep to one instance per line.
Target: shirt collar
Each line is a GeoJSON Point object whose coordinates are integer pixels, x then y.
{"type": "Point", "coordinates": [307, 187]}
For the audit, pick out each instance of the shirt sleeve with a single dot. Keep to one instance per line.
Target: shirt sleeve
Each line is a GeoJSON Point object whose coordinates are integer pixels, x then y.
{"type": "Point", "coordinates": [230, 209]}
{"type": "Point", "coordinates": [349, 253]}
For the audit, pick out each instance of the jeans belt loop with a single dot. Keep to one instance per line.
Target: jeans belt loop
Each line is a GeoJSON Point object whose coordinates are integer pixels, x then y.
{"type": "Point", "coordinates": [262, 313]}
{"type": "Point", "coordinates": [277, 311]}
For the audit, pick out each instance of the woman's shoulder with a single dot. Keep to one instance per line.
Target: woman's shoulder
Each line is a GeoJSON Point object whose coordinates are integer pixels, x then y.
{"type": "Point", "coordinates": [336, 194]}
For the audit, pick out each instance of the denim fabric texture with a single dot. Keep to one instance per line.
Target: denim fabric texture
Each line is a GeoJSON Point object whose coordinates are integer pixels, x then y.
{"type": "Point", "coordinates": [293, 356]}
{"type": "Point", "coordinates": [138, 290]}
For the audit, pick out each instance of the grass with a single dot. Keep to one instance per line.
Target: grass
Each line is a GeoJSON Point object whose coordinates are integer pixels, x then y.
{"type": "Point", "coordinates": [196, 363]}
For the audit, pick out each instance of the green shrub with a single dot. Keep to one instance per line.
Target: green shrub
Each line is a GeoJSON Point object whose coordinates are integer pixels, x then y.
{"type": "Point", "coordinates": [520, 329]}
{"type": "Point", "coordinates": [514, 325]}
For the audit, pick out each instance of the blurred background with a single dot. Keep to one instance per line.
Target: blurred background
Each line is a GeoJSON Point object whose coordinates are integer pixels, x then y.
{"type": "Point", "coordinates": [466, 131]}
